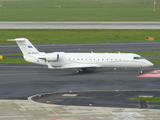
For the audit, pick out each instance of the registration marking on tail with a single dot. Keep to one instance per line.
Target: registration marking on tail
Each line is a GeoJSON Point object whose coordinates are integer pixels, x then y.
{"type": "Point", "coordinates": [154, 73]}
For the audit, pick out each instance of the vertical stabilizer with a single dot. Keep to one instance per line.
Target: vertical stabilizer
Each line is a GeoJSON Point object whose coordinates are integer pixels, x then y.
{"type": "Point", "coordinates": [26, 46]}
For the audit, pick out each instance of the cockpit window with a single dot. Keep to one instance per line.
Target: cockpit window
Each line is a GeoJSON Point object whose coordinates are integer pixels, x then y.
{"type": "Point", "coordinates": [137, 58]}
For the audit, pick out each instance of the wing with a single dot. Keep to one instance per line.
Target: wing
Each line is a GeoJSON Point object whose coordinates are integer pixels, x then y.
{"type": "Point", "coordinates": [73, 66]}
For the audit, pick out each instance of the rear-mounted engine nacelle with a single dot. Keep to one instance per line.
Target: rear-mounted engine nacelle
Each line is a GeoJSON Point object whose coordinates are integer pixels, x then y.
{"type": "Point", "coordinates": [51, 57]}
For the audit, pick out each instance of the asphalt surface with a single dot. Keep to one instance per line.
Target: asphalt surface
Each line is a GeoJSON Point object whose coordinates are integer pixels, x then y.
{"type": "Point", "coordinates": [100, 99]}
{"type": "Point", "coordinates": [26, 80]}
{"type": "Point", "coordinates": [79, 25]}
{"type": "Point", "coordinates": [100, 87]}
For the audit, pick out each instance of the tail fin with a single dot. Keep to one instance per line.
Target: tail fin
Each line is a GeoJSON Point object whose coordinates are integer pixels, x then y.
{"type": "Point", "coordinates": [26, 46]}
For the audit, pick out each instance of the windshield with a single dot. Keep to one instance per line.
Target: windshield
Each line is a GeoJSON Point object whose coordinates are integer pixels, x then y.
{"type": "Point", "coordinates": [135, 58]}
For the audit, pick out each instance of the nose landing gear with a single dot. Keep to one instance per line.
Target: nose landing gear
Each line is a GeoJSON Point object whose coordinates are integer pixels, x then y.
{"type": "Point", "coordinates": [141, 71]}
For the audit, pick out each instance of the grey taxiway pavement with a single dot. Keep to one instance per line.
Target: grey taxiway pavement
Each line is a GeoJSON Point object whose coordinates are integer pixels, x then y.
{"type": "Point", "coordinates": [97, 87]}
{"type": "Point", "coordinates": [79, 25]}
{"type": "Point", "coordinates": [20, 81]}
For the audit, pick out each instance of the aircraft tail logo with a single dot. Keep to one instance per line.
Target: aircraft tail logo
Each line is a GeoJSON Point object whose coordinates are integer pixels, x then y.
{"type": "Point", "coordinates": [26, 46]}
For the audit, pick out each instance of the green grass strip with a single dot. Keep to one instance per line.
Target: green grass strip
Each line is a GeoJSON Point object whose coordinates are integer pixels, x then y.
{"type": "Point", "coordinates": [155, 61]}
{"type": "Point", "coordinates": [13, 61]}
{"type": "Point", "coordinates": [52, 36]}
{"type": "Point", "coordinates": [78, 10]}
{"type": "Point", "coordinates": [145, 98]}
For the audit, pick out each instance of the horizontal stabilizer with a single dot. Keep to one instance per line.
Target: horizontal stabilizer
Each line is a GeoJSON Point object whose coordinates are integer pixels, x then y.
{"type": "Point", "coordinates": [18, 39]}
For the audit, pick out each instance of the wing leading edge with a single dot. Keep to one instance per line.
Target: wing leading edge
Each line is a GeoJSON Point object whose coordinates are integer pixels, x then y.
{"type": "Point", "coordinates": [74, 66]}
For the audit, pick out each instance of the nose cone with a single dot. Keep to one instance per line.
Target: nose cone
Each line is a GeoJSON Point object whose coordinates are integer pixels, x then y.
{"type": "Point", "coordinates": [149, 64]}
{"type": "Point", "coordinates": [146, 63]}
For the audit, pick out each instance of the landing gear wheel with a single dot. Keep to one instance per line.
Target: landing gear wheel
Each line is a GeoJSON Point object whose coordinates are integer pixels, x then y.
{"type": "Point", "coordinates": [77, 71]}
{"type": "Point", "coordinates": [141, 71]}
{"type": "Point", "coordinates": [80, 70]}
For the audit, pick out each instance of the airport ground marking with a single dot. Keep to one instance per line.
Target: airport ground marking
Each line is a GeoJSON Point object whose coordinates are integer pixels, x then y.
{"type": "Point", "coordinates": [153, 73]}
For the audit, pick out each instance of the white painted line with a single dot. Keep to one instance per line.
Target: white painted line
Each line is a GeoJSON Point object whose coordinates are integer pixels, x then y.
{"type": "Point", "coordinates": [70, 95]}
{"type": "Point", "coordinates": [145, 96]}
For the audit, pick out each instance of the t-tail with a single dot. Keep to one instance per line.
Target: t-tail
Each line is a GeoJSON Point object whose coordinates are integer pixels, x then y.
{"type": "Point", "coordinates": [29, 51]}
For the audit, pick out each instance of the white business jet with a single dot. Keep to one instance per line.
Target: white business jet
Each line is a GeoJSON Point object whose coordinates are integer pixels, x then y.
{"type": "Point", "coordinates": [80, 61]}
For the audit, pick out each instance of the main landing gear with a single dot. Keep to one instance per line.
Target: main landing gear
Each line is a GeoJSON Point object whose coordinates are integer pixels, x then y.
{"type": "Point", "coordinates": [80, 70]}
